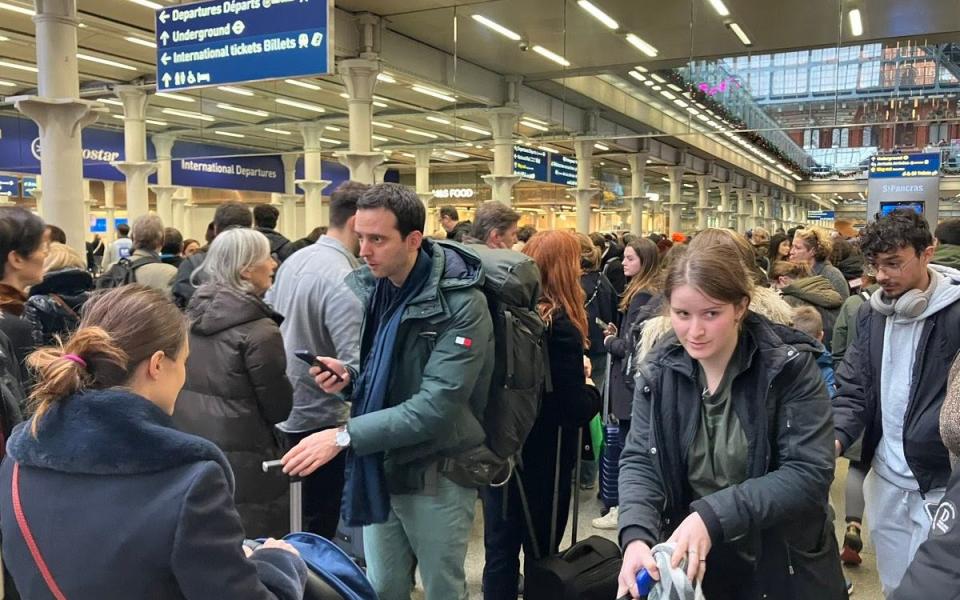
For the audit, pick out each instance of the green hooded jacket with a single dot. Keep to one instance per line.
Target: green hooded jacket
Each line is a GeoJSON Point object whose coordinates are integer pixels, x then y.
{"type": "Point", "coordinates": [947, 255]}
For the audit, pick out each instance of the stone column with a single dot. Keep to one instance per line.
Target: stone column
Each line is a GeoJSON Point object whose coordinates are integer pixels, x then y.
{"type": "Point", "coordinates": [502, 178]}
{"type": "Point", "coordinates": [360, 77]}
{"type": "Point", "coordinates": [423, 184]}
{"type": "Point", "coordinates": [60, 115]}
{"type": "Point", "coordinates": [290, 172]}
{"type": "Point", "coordinates": [638, 166]}
{"type": "Point", "coordinates": [725, 208]}
{"type": "Point", "coordinates": [676, 204]}
{"type": "Point", "coordinates": [742, 213]}
{"type": "Point", "coordinates": [164, 194]}
{"type": "Point", "coordinates": [703, 204]}
{"type": "Point", "coordinates": [110, 206]}
{"type": "Point", "coordinates": [179, 217]}
{"type": "Point", "coordinates": [755, 219]}
{"type": "Point", "coordinates": [134, 165]}
{"type": "Point", "coordinates": [288, 213]}
{"type": "Point", "coordinates": [584, 194]}
{"type": "Point", "coordinates": [312, 183]}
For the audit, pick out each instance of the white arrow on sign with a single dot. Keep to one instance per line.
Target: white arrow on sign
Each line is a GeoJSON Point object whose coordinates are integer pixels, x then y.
{"type": "Point", "coordinates": [164, 37]}
{"type": "Point", "coordinates": [163, 17]}
{"type": "Point", "coordinates": [165, 59]}
{"type": "Point", "coordinates": [166, 79]}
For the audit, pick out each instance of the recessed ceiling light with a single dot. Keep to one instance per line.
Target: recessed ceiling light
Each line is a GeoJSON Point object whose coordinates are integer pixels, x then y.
{"type": "Point", "coordinates": [148, 4]}
{"type": "Point", "coordinates": [497, 27]}
{"type": "Point", "coordinates": [380, 138]}
{"type": "Point", "coordinates": [675, 88]}
{"type": "Point", "coordinates": [738, 31]}
{"type": "Point", "coordinates": [384, 125]}
{"type": "Point", "coordinates": [385, 78]}
{"type": "Point", "coordinates": [438, 120]}
{"type": "Point", "coordinates": [551, 55]}
{"type": "Point", "coordinates": [473, 129]}
{"type": "Point", "coordinates": [301, 105]}
{"type": "Point", "coordinates": [667, 95]}
{"type": "Point", "coordinates": [140, 41]}
{"type": "Point", "coordinates": [104, 61]}
{"type": "Point", "coordinates": [17, 9]}
{"type": "Point", "coordinates": [641, 45]}
{"type": "Point", "coordinates": [345, 95]}
{"type": "Point", "coordinates": [303, 84]}
{"type": "Point", "coordinates": [330, 141]}
{"type": "Point", "coordinates": [455, 153]}
{"type": "Point", "coordinates": [156, 122]}
{"type": "Point", "coordinates": [110, 101]}
{"type": "Point", "coordinates": [229, 134]}
{"type": "Point", "coordinates": [379, 104]}
{"type": "Point", "coordinates": [649, 83]}
{"type": "Point", "coordinates": [421, 133]}
{"type": "Point", "coordinates": [172, 96]}
{"type": "Point", "coordinates": [658, 78]}
{"type": "Point", "coordinates": [187, 114]}
{"type": "Point", "coordinates": [536, 126]}
{"type": "Point", "coordinates": [407, 154]}
{"type": "Point", "coordinates": [641, 68]}
{"type": "Point", "coordinates": [246, 111]}
{"type": "Point", "coordinates": [599, 14]}
{"type": "Point", "coordinates": [332, 128]}
{"type": "Point", "coordinates": [18, 66]}
{"type": "Point", "coordinates": [637, 76]}
{"type": "Point", "coordinates": [548, 149]}
{"type": "Point", "coordinates": [856, 23]}
{"type": "Point", "coordinates": [720, 7]}
{"type": "Point", "coordinates": [277, 131]}
{"type": "Point", "coordinates": [7, 84]}
{"type": "Point", "coordinates": [235, 90]}
{"type": "Point", "coordinates": [432, 92]}
{"type": "Point", "coordinates": [601, 147]}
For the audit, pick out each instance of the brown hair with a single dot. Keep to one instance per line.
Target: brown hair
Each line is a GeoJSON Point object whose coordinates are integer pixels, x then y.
{"type": "Point", "coordinates": [120, 329]}
{"type": "Point", "coordinates": [646, 278]}
{"type": "Point", "coordinates": [589, 253]}
{"type": "Point", "coordinates": [817, 240]}
{"type": "Point", "coordinates": [557, 253]}
{"type": "Point", "coordinates": [793, 270]}
{"type": "Point", "coordinates": [713, 237]}
{"type": "Point", "coordinates": [716, 272]}
{"type": "Point", "coordinates": [806, 319]}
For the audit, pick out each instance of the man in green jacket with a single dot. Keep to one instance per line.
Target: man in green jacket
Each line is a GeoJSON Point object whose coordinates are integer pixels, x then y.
{"type": "Point", "coordinates": [426, 359]}
{"type": "Point", "coordinates": [947, 237]}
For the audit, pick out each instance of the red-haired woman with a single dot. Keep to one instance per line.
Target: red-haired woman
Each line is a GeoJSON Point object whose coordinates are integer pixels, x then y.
{"type": "Point", "coordinates": [557, 253]}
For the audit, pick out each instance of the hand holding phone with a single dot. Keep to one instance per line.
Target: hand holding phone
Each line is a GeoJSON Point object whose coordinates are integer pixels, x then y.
{"type": "Point", "coordinates": [314, 361]}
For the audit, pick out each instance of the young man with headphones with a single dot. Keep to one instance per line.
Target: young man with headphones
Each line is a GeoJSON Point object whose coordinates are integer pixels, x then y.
{"type": "Point", "coordinates": [891, 385]}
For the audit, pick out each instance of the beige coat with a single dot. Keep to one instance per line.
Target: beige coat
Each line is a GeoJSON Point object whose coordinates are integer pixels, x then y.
{"type": "Point", "coordinates": [158, 276]}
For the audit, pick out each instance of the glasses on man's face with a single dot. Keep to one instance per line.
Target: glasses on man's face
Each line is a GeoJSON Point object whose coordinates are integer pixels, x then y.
{"type": "Point", "coordinates": [891, 269]}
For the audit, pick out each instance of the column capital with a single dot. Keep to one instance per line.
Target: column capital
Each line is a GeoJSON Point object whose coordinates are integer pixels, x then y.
{"type": "Point", "coordinates": [70, 114]}
{"type": "Point", "coordinates": [311, 132]}
{"type": "Point", "coordinates": [165, 190]}
{"type": "Point", "coordinates": [503, 121]}
{"type": "Point", "coordinates": [422, 156]}
{"type": "Point", "coordinates": [311, 185]}
{"type": "Point", "coordinates": [56, 11]}
{"type": "Point", "coordinates": [704, 181]}
{"type": "Point", "coordinates": [676, 171]}
{"type": "Point", "coordinates": [502, 186]}
{"type": "Point", "coordinates": [289, 160]}
{"type": "Point", "coordinates": [359, 75]}
{"type": "Point", "coordinates": [163, 144]}
{"type": "Point", "coordinates": [361, 164]}
{"type": "Point", "coordinates": [135, 169]}
{"type": "Point", "coordinates": [134, 102]}
{"type": "Point", "coordinates": [583, 148]}
{"type": "Point", "coordinates": [638, 161]}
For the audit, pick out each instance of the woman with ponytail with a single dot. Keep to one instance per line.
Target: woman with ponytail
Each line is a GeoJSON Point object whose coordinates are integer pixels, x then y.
{"type": "Point", "coordinates": [102, 497]}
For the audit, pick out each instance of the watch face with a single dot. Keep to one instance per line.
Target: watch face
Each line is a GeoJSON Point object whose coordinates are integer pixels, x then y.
{"type": "Point", "coordinates": [343, 439]}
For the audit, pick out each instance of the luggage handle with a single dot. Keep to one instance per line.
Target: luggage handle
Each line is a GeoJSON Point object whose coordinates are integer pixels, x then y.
{"type": "Point", "coordinates": [296, 495]}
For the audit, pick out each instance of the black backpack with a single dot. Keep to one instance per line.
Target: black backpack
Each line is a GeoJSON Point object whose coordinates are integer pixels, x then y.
{"type": "Point", "coordinates": [521, 372]}
{"type": "Point", "coordinates": [124, 272]}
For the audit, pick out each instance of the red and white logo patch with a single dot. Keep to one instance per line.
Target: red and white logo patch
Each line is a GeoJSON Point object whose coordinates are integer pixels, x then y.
{"type": "Point", "coordinates": [463, 341]}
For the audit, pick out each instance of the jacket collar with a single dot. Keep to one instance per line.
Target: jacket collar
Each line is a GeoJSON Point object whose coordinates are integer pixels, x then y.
{"type": "Point", "coordinates": [110, 432]}
{"type": "Point", "coordinates": [454, 266]}
{"type": "Point", "coordinates": [64, 281]}
{"type": "Point", "coordinates": [11, 299]}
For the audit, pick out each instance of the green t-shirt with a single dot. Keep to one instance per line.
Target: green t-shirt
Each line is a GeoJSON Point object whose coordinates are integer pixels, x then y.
{"type": "Point", "coordinates": [718, 455]}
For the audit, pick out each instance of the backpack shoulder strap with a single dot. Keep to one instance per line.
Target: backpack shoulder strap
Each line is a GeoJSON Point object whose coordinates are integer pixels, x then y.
{"type": "Point", "coordinates": [144, 261]}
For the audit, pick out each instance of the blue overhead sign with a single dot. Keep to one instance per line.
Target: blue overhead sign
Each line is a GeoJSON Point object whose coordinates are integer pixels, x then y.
{"type": "Point", "coordinates": [905, 165]}
{"type": "Point", "coordinates": [530, 163]}
{"type": "Point", "coordinates": [563, 170]}
{"type": "Point", "coordinates": [9, 185]}
{"type": "Point", "coordinates": [231, 41]}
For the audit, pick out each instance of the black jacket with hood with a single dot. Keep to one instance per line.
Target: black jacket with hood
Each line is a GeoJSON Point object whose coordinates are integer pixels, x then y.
{"type": "Point", "coordinates": [780, 512]}
{"type": "Point", "coordinates": [54, 305]}
{"type": "Point", "coordinates": [236, 391]}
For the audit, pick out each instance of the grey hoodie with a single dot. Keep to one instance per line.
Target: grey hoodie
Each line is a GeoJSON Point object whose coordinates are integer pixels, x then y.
{"type": "Point", "coordinates": [900, 340]}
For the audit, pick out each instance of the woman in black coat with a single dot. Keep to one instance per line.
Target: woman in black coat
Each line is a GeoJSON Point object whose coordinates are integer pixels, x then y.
{"type": "Point", "coordinates": [731, 451]}
{"type": "Point", "coordinates": [119, 502]}
{"type": "Point", "coordinates": [53, 308]}
{"type": "Point", "coordinates": [236, 388]}
{"type": "Point", "coordinates": [562, 412]}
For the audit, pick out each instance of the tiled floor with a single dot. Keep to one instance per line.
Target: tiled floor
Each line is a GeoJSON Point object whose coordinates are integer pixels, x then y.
{"type": "Point", "coordinates": [864, 577]}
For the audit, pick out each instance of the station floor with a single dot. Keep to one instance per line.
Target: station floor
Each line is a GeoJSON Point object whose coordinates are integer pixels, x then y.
{"type": "Point", "coordinates": [864, 577]}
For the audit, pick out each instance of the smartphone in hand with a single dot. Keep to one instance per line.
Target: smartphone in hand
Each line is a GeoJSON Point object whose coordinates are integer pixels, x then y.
{"type": "Point", "coordinates": [311, 359]}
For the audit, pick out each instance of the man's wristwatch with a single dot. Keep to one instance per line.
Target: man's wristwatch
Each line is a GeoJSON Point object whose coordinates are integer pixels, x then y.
{"type": "Point", "coordinates": [343, 437]}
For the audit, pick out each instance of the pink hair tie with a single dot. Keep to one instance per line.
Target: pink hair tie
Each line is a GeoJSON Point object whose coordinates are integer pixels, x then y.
{"type": "Point", "coordinates": [76, 359]}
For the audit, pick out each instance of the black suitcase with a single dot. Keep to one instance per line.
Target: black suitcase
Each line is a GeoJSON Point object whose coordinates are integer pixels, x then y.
{"type": "Point", "coordinates": [350, 540]}
{"type": "Point", "coordinates": [587, 570]}
{"type": "Point", "coordinates": [612, 446]}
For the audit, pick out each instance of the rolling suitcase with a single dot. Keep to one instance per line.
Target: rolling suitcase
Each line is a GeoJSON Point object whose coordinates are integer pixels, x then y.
{"type": "Point", "coordinates": [350, 540]}
{"type": "Point", "coordinates": [332, 573]}
{"type": "Point", "coordinates": [587, 570]}
{"type": "Point", "coordinates": [612, 446]}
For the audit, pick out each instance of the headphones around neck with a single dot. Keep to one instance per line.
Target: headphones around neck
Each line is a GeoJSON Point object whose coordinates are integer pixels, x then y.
{"type": "Point", "coordinates": [910, 305]}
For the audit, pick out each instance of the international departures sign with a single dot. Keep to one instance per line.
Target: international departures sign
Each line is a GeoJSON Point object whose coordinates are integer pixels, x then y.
{"type": "Point", "coordinates": [232, 41]}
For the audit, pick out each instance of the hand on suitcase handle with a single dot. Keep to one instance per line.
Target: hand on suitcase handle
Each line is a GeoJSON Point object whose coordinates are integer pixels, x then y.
{"type": "Point", "coordinates": [637, 558]}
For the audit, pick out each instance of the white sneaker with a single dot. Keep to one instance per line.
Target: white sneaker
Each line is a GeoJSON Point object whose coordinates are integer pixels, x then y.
{"type": "Point", "coordinates": [608, 521]}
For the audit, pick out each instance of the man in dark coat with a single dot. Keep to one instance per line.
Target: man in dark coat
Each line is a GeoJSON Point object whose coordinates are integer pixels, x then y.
{"type": "Point", "coordinates": [456, 229]}
{"type": "Point", "coordinates": [231, 214]}
{"type": "Point", "coordinates": [265, 217]}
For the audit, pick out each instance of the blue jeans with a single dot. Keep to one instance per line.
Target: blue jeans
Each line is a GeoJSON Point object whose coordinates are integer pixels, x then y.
{"type": "Point", "coordinates": [430, 532]}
